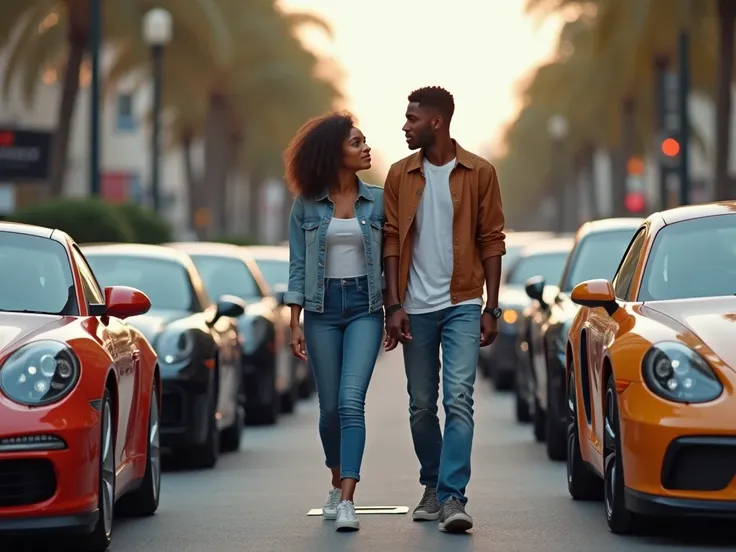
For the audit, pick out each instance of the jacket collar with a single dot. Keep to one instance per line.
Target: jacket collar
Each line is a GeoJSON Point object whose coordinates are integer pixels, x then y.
{"type": "Point", "coordinates": [462, 157]}
{"type": "Point", "coordinates": [363, 192]}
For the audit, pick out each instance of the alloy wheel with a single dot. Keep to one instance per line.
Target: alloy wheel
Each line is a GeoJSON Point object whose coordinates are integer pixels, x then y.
{"type": "Point", "coordinates": [108, 469]}
{"type": "Point", "coordinates": [609, 486]}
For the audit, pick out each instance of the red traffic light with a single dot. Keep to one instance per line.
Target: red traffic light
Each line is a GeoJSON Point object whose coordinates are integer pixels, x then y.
{"type": "Point", "coordinates": [670, 147]}
{"type": "Point", "coordinates": [635, 202]}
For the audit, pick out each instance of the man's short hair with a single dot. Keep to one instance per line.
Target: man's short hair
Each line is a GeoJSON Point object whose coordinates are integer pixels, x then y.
{"type": "Point", "coordinates": [434, 96]}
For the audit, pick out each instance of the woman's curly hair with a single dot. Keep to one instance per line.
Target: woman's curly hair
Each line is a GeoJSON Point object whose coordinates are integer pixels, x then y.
{"type": "Point", "coordinates": [314, 156]}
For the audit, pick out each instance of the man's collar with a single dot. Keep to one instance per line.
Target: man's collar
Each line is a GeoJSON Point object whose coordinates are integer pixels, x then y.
{"type": "Point", "coordinates": [461, 155]}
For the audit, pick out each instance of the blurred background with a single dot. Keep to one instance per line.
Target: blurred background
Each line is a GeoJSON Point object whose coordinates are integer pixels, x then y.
{"type": "Point", "coordinates": [152, 121]}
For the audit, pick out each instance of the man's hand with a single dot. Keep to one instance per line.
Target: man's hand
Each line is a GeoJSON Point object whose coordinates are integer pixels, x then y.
{"type": "Point", "coordinates": [488, 329]}
{"type": "Point", "coordinates": [397, 329]}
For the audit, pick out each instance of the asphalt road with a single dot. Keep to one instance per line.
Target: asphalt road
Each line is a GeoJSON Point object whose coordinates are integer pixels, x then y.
{"type": "Point", "coordinates": [257, 500]}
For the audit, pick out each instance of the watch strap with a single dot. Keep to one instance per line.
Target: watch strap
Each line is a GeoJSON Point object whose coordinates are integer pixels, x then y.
{"type": "Point", "coordinates": [494, 312]}
{"type": "Point", "coordinates": [393, 308]}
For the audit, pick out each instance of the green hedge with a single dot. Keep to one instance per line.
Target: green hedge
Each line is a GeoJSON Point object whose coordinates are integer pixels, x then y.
{"type": "Point", "coordinates": [235, 240]}
{"type": "Point", "coordinates": [93, 220]}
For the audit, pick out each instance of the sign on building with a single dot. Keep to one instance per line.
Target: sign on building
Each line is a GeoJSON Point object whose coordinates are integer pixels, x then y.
{"type": "Point", "coordinates": [24, 155]}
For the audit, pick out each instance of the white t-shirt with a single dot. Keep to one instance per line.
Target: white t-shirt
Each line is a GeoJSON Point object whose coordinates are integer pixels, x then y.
{"type": "Point", "coordinates": [345, 249]}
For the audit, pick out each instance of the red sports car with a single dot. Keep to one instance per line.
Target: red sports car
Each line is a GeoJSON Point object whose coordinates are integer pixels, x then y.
{"type": "Point", "coordinates": [79, 394]}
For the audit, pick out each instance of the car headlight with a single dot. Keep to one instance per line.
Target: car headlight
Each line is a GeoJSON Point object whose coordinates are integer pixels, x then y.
{"type": "Point", "coordinates": [175, 346]}
{"type": "Point", "coordinates": [677, 373]}
{"type": "Point", "coordinates": [40, 373]}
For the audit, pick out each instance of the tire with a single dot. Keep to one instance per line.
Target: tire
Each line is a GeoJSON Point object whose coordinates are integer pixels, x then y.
{"type": "Point", "coordinates": [503, 381]}
{"type": "Point", "coordinates": [523, 416]}
{"type": "Point", "coordinates": [582, 483]}
{"type": "Point", "coordinates": [620, 520]}
{"type": "Point", "coordinates": [266, 414]}
{"type": "Point", "coordinates": [539, 422]}
{"type": "Point", "coordinates": [205, 456]}
{"type": "Point", "coordinates": [232, 436]}
{"type": "Point", "coordinates": [288, 400]}
{"type": "Point", "coordinates": [101, 536]}
{"type": "Point", "coordinates": [555, 433]}
{"type": "Point", "coordinates": [144, 500]}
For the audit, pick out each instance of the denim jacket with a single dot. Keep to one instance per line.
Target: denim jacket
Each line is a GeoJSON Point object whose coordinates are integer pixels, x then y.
{"type": "Point", "coordinates": [307, 247]}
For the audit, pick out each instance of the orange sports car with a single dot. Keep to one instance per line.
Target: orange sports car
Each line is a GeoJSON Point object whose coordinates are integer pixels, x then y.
{"type": "Point", "coordinates": [651, 373]}
{"type": "Point", "coordinates": [79, 394]}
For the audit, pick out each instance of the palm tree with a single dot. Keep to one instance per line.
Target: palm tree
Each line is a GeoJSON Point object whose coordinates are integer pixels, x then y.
{"type": "Point", "coordinates": [54, 35]}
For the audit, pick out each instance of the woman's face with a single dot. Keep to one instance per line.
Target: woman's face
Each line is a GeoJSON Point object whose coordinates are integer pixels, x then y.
{"type": "Point", "coordinates": [356, 155]}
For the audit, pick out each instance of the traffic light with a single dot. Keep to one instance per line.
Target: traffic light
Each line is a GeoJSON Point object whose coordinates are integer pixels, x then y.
{"type": "Point", "coordinates": [670, 147]}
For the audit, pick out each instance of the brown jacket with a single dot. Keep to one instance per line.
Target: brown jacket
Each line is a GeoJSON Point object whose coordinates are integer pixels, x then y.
{"type": "Point", "coordinates": [478, 219]}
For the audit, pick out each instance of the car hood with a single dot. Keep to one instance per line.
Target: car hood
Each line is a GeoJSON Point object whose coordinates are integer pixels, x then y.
{"type": "Point", "coordinates": [154, 321]}
{"type": "Point", "coordinates": [712, 320]}
{"type": "Point", "coordinates": [17, 327]}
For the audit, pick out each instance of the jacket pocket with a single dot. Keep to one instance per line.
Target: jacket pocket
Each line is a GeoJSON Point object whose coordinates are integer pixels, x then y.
{"type": "Point", "coordinates": [310, 227]}
{"type": "Point", "coordinates": [377, 230]}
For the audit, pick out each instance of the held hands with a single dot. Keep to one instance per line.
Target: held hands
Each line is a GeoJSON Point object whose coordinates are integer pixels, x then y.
{"type": "Point", "coordinates": [297, 343]}
{"type": "Point", "coordinates": [397, 329]}
{"type": "Point", "coordinates": [488, 329]}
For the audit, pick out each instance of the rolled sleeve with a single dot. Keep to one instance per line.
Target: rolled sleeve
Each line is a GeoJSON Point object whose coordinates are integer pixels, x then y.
{"type": "Point", "coordinates": [391, 211]}
{"type": "Point", "coordinates": [297, 253]}
{"type": "Point", "coordinates": [491, 220]}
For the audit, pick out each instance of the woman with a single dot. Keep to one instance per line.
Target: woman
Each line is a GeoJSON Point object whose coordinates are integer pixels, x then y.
{"type": "Point", "coordinates": [335, 235]}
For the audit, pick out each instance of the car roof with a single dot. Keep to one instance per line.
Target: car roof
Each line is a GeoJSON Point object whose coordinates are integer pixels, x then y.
{"type": "Point", "coordinates": [515, 238]}
{"type": "Point", "coordinates": [273, 252]}
{"type": "Point", "coordinates": [689, 212]}
{"type": "Point", "coordinates": [209, 248]}
{"type": "Point", "coordinates": [137, 250]}
{"type": "Point", "coordinates": [27, 229]}
{"type": "Point", "coordinates": [552, 245]}
{"type": "Point", "coordinates": [610, 225]}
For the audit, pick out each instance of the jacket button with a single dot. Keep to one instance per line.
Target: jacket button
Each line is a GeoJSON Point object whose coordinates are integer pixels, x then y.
{"type": "Point", "coordinates": [408, 218]}
{"type": "Point", "coordinates": [454, 297]}
{"type": "Point", "coordinates": [419, 192]}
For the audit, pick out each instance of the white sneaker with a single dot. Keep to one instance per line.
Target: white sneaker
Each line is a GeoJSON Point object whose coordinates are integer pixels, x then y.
{"type": "Point", "coordinates": [329, 510]}
{"type": "Point", "coordinates": [346, 520]}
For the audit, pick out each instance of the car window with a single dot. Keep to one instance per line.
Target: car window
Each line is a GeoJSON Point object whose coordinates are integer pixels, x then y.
{"type": "Point", "coordinates": [166, 283]}
{"type": "Point", "coordinates": [692, 258]}
{"type": "Point", "coordinates": [274, 271]}
{"type": "Point", "coordinates": [92, 292]}
{"type": "Point", "coordinates": [37, 276]}
{"type": "Point", "coordinates": [227, 276]}
{"type": "Point", "coordinates": [547, 265]}
{"type": "Point", "coordinates": [625, 275]}
{"type": "Point", "coordinates": [596, 255]}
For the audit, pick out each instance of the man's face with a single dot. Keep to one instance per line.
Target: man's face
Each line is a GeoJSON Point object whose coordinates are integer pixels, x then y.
{"type": "Point", "coordinates": [420, 126]}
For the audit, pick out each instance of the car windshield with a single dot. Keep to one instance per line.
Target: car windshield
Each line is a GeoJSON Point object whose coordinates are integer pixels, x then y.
{"type": "Point", "coordinates": [547, 265]}
{"type": "Point", "coordinates": [274, 271]}
{"type": "Point", "coordinates": [226, 276]}
{"type": "Point", "coordinates": [692, 258]}
{"type": "Point", "coordinates": [166, 283]}
{"type": "Point", "coordinates": [597, 256]}
{"type": "Point", "coordinates": [38, 276]}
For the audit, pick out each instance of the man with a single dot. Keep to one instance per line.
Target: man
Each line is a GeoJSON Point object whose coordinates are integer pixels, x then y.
{"type": "Point", "coordinates": [443, 240]}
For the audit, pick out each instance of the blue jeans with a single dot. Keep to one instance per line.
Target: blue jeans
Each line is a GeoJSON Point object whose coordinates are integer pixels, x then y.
{"type": "Point", "coordinates": [342, 344]}
{"type": "Point", "coordinates": [444, 465]}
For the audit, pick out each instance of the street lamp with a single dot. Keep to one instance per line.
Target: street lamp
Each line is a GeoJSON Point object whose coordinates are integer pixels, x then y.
{"type": "Point", "coordinates": [157, 30]}
{"type": "Point", "coordinates": [557, 128]}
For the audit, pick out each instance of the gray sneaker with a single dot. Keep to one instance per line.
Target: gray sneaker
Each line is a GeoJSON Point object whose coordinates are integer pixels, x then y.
{"type": "Point", "coordinates": [454, 518]}
{"type": "Point", "coordinates": [428, 508]}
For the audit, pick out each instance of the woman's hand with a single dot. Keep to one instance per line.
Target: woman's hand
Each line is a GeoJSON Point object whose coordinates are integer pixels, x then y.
{"type": "Point", "coordinates": [297, 343]}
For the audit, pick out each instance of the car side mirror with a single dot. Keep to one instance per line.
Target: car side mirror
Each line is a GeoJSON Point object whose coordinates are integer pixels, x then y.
{"type": "Point", "coordinates": [595, 293]}
{"type": "Point", "coordinates": [534, 288]}
{"type": "Point", "coordinates": [228, 306]}
{"type": "Point", "coordinates": [123, 302]}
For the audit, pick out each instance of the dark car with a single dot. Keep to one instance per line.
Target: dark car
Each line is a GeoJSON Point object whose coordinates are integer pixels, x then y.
{"type": "Point", "coordinates": [546, 257]}
{"type": "Point", "coordinates": [273, 260]}
{"type": "Point", "coordinates": [541, 389]}
{"type": "Point", "coordinates": [197, 342]}
{"type": "Point", "coordinates": [270, 382]}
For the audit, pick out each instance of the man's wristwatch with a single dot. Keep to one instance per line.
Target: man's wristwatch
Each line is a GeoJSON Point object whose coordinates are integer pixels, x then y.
{"type": "Point", "coordinates": [495, 313]}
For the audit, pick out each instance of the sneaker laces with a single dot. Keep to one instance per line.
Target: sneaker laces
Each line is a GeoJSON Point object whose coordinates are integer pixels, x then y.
{"type": "Point", "coordinates": [429, 498]}
{"type": "Point", "coordinates": [453, 506]}
{"type": "Point", "coordinates": [333, 498]}
{"type": "Point", "coordinates": [346, 509]}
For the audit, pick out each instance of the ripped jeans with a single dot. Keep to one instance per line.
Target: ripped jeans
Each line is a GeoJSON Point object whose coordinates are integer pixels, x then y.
{"type": "Point", "coordinates": [445, 463]}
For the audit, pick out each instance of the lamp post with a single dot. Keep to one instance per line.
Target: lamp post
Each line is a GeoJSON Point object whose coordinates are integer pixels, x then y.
{"type": "Point", "coordinates": [95, 44]}
{"type": "Point", "coordinates": [557, 128]}
{"type": "Point", "coordinates": [157, 30]}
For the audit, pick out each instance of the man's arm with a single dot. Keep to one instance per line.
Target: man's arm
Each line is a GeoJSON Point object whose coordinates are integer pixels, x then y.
{"type": "Point", "coordinates": [491, 238]}
{"type": "Point", "coordinates": [391, 238]}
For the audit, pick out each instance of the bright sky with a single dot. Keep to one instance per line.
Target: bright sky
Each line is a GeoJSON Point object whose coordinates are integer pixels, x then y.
{"type": "Point", "coordinates": [477, 49]}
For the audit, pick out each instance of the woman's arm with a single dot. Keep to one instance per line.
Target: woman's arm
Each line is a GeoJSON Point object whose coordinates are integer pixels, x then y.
{"type": "Point", "coordinates": [297, 252]}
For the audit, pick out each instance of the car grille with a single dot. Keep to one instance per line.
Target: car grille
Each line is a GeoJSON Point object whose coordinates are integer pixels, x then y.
{"type": "Point", "coordinates": [173, 405]}
{"type": "Point", "coordinates": [699, 464]}
{"type": "Point", "coordinates": [26, 481]}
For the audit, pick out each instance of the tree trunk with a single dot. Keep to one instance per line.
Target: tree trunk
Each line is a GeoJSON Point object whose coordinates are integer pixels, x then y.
{"type": "Point", "coordinates": [192, 183]}
{"type": "Point", "coordinates": [588, 166]}
{"type": "Point", "coordinates": [216, 162]}
{"type": "Point", "coordinates": [255, 183]}
{"type": "Point", "coordinates": [726, 19]}
{"type": "Point", "coordinates": [77, 43]}
{"type": "Point", "coordinates": [628, 145]}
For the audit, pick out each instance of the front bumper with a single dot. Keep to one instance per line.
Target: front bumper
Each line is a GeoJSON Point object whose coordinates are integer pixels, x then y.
{"type": "Point", "coordinates": [678, 458]}
{"type": "Point", "coordinates": [185, 396]}
{"type": "Point", "coordinates": [49, 483]}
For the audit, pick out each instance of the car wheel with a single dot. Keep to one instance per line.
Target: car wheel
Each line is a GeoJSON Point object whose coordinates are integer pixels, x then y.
{"type": "Point", "coordinates": [555, 432]}
{"type": "Point", "coordinates": [522, 407]}
{"type": "Point", "coordinates": [582, 483]}
{"type": "Point", "coordinates": [268, 412]}
{"type": "Point", "coordinates": [101, 536]}
{"type": "Point", "coordinates": [231, 437]}
{"type": "Point", "coordinates": [206, 455]}
{"type": "Point", "coordinates": [145, 499]}
{"type": "Point", "coordinates": [539, 421]}
{"type": "Point", "coordinates": [620, 520]}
